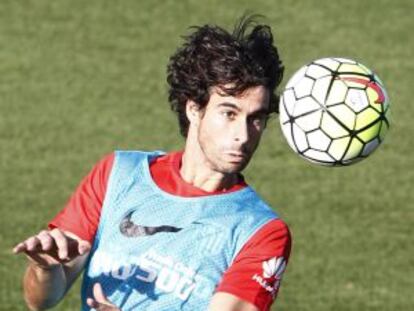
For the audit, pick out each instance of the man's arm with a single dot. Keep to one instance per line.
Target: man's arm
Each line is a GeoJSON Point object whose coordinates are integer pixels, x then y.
{"type": "Point", "coordinates": [227, 302]}
{"type": "Point", "coordinates": [254, 277]}
{"type": "Point", "coordinates": [55, 258]}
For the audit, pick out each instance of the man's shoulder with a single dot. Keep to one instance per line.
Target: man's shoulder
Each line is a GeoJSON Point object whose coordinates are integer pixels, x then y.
{"type": "Point", "coordinates": [133, 157]}
{"type": "Point", "coordinates": [256, 201]}
{"type": "Point", "coordinates": [276, 227]}
{"type": "Point", "coordinates": [271, 239]}
{"type": "Point", "coordinates": [134, 152]}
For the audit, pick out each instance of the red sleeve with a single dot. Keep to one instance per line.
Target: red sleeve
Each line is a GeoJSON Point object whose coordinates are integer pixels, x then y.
{"type": "Point", "coordinates": [257, 270]}
{"type": "Point", "coordinates": [82, 212]}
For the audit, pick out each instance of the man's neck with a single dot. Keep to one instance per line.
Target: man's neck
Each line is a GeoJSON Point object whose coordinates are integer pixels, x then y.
{"type": "Point", "coordinates": [196, 170]}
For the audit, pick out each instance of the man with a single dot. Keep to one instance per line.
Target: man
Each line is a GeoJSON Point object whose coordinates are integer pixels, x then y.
{"type": "Point", "coordinates": [183, 230]}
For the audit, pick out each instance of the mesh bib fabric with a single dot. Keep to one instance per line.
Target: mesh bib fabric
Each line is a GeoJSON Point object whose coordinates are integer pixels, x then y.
{"type": "Point", "coordinates": [157, 251]}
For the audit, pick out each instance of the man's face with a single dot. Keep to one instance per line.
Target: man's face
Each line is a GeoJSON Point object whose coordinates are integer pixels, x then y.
{"type": "Point", "coordinates": [230, 128]}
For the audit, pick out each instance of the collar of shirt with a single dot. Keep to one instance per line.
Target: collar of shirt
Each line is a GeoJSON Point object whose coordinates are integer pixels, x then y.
{"type": "Point", "coordinates": [165, 171]}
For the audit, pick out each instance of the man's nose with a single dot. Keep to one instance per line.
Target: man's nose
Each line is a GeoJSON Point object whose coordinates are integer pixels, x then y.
{"type": "Point", "coordinates": [241, 134]}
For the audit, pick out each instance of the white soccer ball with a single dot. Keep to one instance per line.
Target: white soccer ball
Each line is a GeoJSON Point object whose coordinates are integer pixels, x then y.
{"type": "Point", "coordinates": [334, 111]}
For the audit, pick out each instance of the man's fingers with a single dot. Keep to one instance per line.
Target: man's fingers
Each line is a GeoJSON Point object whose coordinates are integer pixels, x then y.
{"type": "Point", "coordinates": [32, 243]}
{"type": "Point", "coordinates": [19, 248]}
{"type": "Point", "coordinates": [28, 245]}
{"type": "Point", "coordinates": [50, 249]}
{"type": "Point", "coordinates": [40, 242]}
{"type": "Point", "coordinates": [55, 243]}
{"type": "Point", "coordinates": [69, 247]}
{"type": "Point", "coordinates": [99, 294]}
{"type": "Point", "coordinates": [100, 302]}
{"type": "Point", "coordinates": [61, 242]}
{"type": "Point", "coordinates": [100, 306]}
{"type": "Point", "coordinates": [83, 247]}
{"type": "Point", "coordinates": [92, 303]}
{"type": "Point", "coordinates": [46, 240]}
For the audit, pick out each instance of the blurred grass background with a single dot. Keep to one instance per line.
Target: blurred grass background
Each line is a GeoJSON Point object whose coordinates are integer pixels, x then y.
{"type": "Point", "coordinates": [79, 79]}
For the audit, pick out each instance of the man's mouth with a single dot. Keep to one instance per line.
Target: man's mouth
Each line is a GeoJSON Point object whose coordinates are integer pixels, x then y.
{"type": "Point", "coordinates": [237, 156]}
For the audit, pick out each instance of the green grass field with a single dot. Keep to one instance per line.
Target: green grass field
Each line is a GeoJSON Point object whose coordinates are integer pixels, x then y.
{"type": "Point", "coordinates": [79, 79]}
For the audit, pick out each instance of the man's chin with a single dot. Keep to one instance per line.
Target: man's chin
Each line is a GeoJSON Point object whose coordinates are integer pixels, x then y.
{"type": "Point", "coordinates": [234, 167]}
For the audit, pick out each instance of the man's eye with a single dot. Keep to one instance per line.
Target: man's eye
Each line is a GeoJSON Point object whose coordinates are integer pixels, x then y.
{"type": "Point", "coordinates": [259, 120]}
{"type": "Point", "coordinates": [229, 114]}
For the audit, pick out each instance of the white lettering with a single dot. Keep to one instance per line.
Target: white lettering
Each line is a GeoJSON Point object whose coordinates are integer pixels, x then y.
{"type": "Point", "coordinates": [167, 274]}
{"type": "Point", "coordinates": [268, 287]}
{"type": "Point", "coordinates": [184, 288]}
{"type": "Point", "coordinates": [150, 268]}
{"type": "Point", "coordinates": [167, 280]}
{"type": "Point", "coordinates": [122, 273]}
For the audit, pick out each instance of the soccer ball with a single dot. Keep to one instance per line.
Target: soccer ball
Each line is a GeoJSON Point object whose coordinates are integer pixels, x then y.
{"type": "Point", "coordinates": [334, 111]}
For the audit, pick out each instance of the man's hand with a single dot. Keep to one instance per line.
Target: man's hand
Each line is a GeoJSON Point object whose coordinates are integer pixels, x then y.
{"type": "Point", "coordinates": [51, 248]}
{"type": "Point", "coordinates": [56, 258]}
{"type": "Point", "coordinates": [99, 301]}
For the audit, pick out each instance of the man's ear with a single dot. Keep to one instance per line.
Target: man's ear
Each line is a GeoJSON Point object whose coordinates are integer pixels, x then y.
{"type": "Point", "coordinates": [193, 112]}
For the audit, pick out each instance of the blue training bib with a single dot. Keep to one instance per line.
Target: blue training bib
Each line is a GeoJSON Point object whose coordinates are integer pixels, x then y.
{"type": "Point", "coordinates": [157, 251]}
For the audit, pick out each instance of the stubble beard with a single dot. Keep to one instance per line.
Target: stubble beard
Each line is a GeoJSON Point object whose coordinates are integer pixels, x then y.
{"type": "Point", "coordinates": [216, 163]}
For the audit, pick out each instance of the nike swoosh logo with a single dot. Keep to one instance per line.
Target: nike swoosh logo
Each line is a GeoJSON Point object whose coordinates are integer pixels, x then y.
{"type": "Point", "coordinates": [132, 230]}
{"type": "Point", "coordinates": [368, 83]}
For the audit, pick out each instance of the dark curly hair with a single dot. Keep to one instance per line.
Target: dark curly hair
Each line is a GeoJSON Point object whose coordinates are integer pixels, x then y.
{"type": "Point", "coordinates": [212, 57]}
